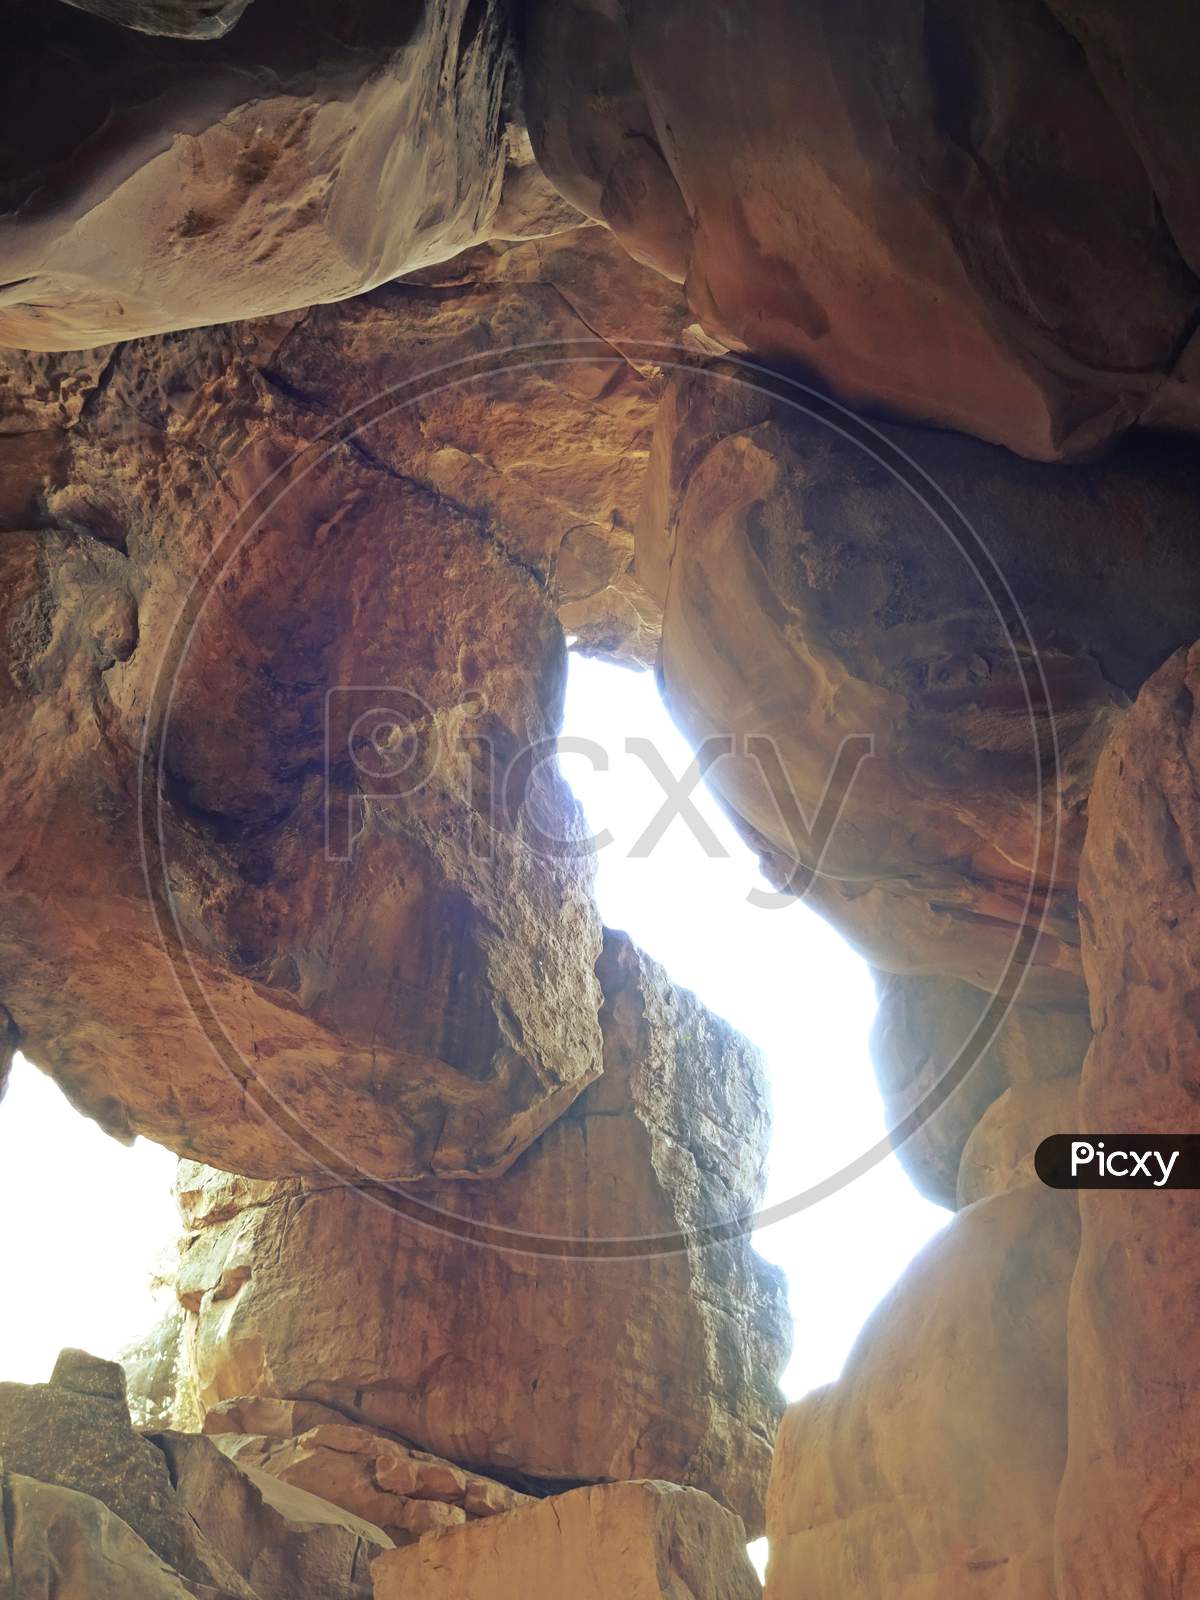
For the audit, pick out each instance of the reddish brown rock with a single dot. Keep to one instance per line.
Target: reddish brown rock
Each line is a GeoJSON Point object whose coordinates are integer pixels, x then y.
{"type": "Point", "coordinates": [646, 1352]}
{"type": "Point", "coordinates": [406, 1492]}
{"type": "Point", "coordinates": [949, 212]}
{"type": "Point", "coordinates": [945, 1053]}
{"type": "Point", "coordinates": [642, 1541]}
{"type": "Point", "coordinates": [931, 1467]}
{"type": "Point", "coordinates": [420, 1001]}
{"type": "Point", "coordinates": [287, 1544]}
{"type": "Point", "coordinates": [821, 581]}
{"type": "Point", "coordinates": [1130, 1501]}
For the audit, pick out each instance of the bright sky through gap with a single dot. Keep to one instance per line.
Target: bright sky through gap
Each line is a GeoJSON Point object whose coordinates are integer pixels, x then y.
{"type": "Point", "coordinates": [789, 982]}
{"type": "Point", "coordinates": [94, 1220]}
{"type": "Point", "coordinates": [96, 1217]}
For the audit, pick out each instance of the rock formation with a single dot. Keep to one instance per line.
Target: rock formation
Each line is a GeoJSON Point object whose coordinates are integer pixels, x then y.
{"type": "Point", "coordinates": [290, 880]}
{"type": "Point", "coordinates": [566, 1323]}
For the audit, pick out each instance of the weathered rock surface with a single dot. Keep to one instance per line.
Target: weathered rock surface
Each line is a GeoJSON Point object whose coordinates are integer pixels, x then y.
{"type": "Point", "coordinates": [74, 1432]}
{"type": "Point", "coordinates": [286, 1543]}
{"type": "Point", "coordinates": [380, 978]}
{"type": "Point", "coordinates": [952, 212]}
{"type": "Point", "coordinates": [182, 19]}
{"type": "Point", "coordinates": [1130, 1501]}
{"type": "Point", "coordinates": [936, 1036]}
{"type": "Point", "coordinates": [152, 184]}
{"type": "Point", "coordinates": [998, 1155]}
{"type": "Point", "coordinates": [815, 589]}
{"type": "Point", "coordinates": [407, 1492]}
{"type": "Point", "coordinates": [931, 1467]}
{"type": "Point", "coordinates": [58, 1544]}
{"type": "Point", "coordinates": [565, 1322]}
{"type": "Point", "coordinates": [642, 1541]}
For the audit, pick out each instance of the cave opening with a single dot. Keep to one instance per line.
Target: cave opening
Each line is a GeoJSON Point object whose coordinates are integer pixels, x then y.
{"type": "Point", "coordinates": [781, 975]}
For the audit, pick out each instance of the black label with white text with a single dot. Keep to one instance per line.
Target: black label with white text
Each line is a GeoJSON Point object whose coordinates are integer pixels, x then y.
{"type": "Point", "coordinates": [1119, 1161]}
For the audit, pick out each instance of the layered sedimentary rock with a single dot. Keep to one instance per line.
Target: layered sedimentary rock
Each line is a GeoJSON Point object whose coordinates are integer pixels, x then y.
{"type": "Point", "coordinates": [408, 1493]}
{"type": "Point", "coordinates": [913, 647]}
{"type": "Point", "coordinates": [643, 1541]}
{"type": "Point", "coordinates": [955, 213]}
{"type": "Point", "coordinates": [567, 1322]}
{"type": "Point", "coordinates": [931, 1467]}
{"type": "Point", "coordinates": [283, 679]}
{"type": "Point", "coordinates": [1127, 1513]}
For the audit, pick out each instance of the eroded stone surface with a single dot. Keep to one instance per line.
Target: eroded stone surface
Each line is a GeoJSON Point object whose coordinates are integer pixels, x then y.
{"type": "Point", "coordinates": [642, 1541]}
{"type": "Point", "coordinates": [811, 596]}
{"type": "Point", "coordinates": [154, 183]}
{"type": "Point", "coordinates": [931, 1467]}
{"type": "Point", "coordinates": [1130, 1501]}
{"type": "Point", "coordinates": [954, 213]}
{"type": "Point", "coordinates": [392, 980]}
{"type": "Point", "coordinates": [928, 1039]}
{"type": "Point", "coordinates": [487, 1351]}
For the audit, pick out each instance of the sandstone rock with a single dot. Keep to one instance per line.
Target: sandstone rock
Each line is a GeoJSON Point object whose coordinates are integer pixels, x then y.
{"type": "Point", "coordinates": [379, 976]}
{"type": "Point", "coordinates": [945, 211]}
{"type": "Point", "coordinates": [567, 1321]}
{"type": "Point", "coordinates": [287, 1544]}
{"type": "Point", "coordinates": [160, 1391]}
{"type": "Point", "coordinates": [372, 1475]}
{"type": "Point", "coordinates": [641, 1541]}
{"type": "Point", "coordinates": [74, 1432]}
{"type": "Point", "coordinates": [1130, 1501]}
{"type": "Point", "coordinates": [931, 1467]}
{"type": "Point", "coordinates": [811, 595]}
{"type": "Point", "coordinates": [183, 19]}
{"type": "Point", "coordinates": [927, 1040]}
{"type": "Point", "coordinates": [153, 184]}
{"type": "Point", "coordinates": [58, 1544]}
{"type": "Point", "coordinates": [998, 1155]}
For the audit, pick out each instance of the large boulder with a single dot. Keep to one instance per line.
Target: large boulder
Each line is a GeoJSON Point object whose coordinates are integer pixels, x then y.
{"type": "Point", "coordinates": [1130, 1501]}
{"type": "Point", "coordinates": [283, 664]}
{"type": "Point", "coordinates": [830, 588]}
{"type": "Point", "coordinates": [567, 1322]}
{"type": "Point", "coordinates": [951, 212]}
{"type": "Point", "coordinates": [155, 183]}
{"type": "Point", "coordinates": [642, 1541]}
{"type": "Point", "coordinates": [931, 1467]}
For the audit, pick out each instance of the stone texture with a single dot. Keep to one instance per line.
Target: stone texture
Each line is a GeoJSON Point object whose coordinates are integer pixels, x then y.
{"type": "Point", "coordinates": [1130, 1502]}
{"type": "Point", "coordinates": [407, 1492]}
{"type": "Point", "coordinates": [931, 1467]}
{"type": "Point", "coordinates": [929, 1038]}
{"type": "Point", "coordinates": [286, 1543]}
{"type": "Point", "coordinates": [642, 1541]}
{"type": "Point", "coordinates": [811, 595]}
{"type": "Point", "coordinates": [182, 19]}
{"type": "Point", "coordinates": [426, 1005]}
{"type": "Point", "coordinates": [998, 1155]}
{"type": "Point", "coordinates": [74, 1432]}
{"type": "Point", "coordinates": [58, 1544]}
{"type": "Point", "coordinates": [952, 212]}
{"type": "Point", "coordinates": [157, 184]}
{"type": "Point", "coordinates": [458, 1325]}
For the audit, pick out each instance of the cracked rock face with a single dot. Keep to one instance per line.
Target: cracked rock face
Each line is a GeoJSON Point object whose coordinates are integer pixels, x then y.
{"type": "Point", "coordinates": [385, 944]}
{"type": "Point", "coordinates": [452, 1327]}
{"type": "Point", "coordinates": [818, 588]}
